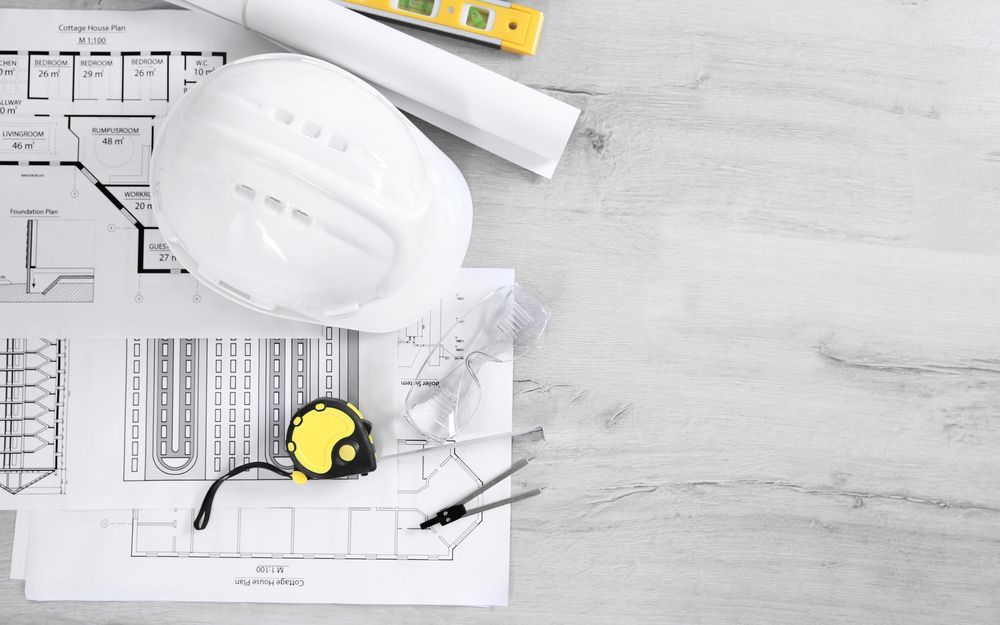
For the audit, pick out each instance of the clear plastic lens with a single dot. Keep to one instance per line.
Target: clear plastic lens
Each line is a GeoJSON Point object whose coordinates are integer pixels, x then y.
{"type": "Point", "coordinates": [440, 411]}
{"type": "Point", "coordinates": [504, 326]}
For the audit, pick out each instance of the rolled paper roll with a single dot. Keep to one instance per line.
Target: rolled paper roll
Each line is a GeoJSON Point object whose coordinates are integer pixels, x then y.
{"type": "Point", "coordinates": [491, 111]}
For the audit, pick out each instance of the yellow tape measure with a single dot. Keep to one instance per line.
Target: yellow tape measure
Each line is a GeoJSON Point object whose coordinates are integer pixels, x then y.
{"type": "Point", "coordinates": [326, 439]}
{"type": "Point", "coordinates": [510, 27]}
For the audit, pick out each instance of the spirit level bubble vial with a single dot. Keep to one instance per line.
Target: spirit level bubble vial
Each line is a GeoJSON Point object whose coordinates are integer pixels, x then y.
{"type": "Point", "coordinates": [510, 27]}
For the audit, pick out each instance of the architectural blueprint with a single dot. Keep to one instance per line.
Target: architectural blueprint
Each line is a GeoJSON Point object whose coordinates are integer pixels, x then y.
{"type": "Point", "coordinates": [135, 422]}
{"type": "Point", "coordinates": [197, 408]}
{"type": "Point", "coordinates": [81, 100]}
{"type": "Point", "coordinates": [33, 439]}
{"type": "Point", "coordinates": [297, 554]}
{"type": "Point", "coordinates": [123, 411]}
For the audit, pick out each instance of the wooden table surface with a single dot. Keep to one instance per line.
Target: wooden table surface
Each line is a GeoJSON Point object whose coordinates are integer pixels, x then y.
{"type": "Point", "coordinates": [772, 384]}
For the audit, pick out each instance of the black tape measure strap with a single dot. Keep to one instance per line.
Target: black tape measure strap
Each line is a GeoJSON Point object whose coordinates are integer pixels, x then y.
{"type": "Point", "coordinates": [326, 439]}
{"type": "Point", "coordinates": [205, 513]}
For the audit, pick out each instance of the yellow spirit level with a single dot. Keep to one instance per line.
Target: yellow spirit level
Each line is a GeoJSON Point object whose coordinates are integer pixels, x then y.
{"type": "Point", "coordinates": [510, 27]}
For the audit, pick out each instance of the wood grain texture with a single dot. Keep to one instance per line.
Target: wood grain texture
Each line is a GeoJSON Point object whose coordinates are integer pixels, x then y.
{"type": "Point", "coordinates": [772, 385]}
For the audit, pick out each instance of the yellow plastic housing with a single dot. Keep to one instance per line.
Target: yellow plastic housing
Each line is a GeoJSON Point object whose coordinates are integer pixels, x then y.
{"type": "Point", "coordinates": [316, 435]}
{"type": "Point", "coordinates": [512, 27]}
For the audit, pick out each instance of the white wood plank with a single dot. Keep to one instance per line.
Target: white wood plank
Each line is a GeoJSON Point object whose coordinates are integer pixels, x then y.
{"type": "Point", "coordinates": [771, 385]}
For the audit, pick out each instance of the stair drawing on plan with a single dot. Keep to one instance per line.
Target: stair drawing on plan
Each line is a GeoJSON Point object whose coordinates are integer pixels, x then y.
{"type": "Point", "coordinates": [416, 340]}
{"type": "Point", "coordinates": [47, 260]}
{"type": "Point", "coordinates": [433, 337]}
{"type": "Point", "coordinates": [436, 338]}
{"type": "Point", "coordinates": [33, 395]}
{"type": "Point", "coordinates": [197, 408]}
{"type": "Point", "coordinates": [426, 482]}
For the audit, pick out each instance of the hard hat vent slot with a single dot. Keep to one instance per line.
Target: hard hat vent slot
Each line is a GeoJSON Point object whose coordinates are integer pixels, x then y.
{"type": "Point", "coordinates": [274, 204]}
{"type": "Point", "coordinates": [338, 142]}
{"type": "Point", "coordinates": [311, 129]}
{"type": "Point", "coordinates": [288, 186]}
{"type": "Point", "coordinates": [245, 193]}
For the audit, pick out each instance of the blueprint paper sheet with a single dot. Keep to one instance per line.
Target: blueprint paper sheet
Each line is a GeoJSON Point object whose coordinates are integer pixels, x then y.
{"type": "Point", "coordinates": [19, 550]}
{"type": "Point", "coordinates": [111, 423]}
{"type": "Point", "coordinates": [82, 95]}
{"type": "Point", "coordinates": [357, 554]}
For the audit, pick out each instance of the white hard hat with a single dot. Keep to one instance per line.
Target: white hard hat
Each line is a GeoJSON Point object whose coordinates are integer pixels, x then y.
{"type": "Point", "coordinates": [290, 186]}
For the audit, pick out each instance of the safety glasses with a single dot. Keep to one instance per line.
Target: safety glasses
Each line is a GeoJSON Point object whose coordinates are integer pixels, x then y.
{"type": "Point", "coordinates": [446, 393]}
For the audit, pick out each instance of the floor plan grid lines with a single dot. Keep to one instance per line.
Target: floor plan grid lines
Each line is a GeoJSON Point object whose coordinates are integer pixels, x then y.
{"type": "Point", "coordinates": [355, 533]}
{"type": "Point", "coordinates": [85, 122]}
{"type": "Point", "coordinates": [197, 408]}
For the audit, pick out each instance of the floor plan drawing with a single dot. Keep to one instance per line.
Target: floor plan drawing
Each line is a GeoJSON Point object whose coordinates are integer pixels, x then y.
{"type": "Point", "coordinates": [274, 548]}
{"type": "Point", "coordinates": [381, 533]}
{"type": "Point", "coordinates": [425, 483]}
{"type": "Point", "coordinates": [155, 420]}
{"type": "Point", "coordinates": [104, 76]}
{"type": "Point", "coordinates": [162, 413]}
{"type": "Point", "coordinates": [33, 400]}
{"type": "Point", "coordinates": [78, 128]}
{"type": "Point", "coordinates": [197, 408]}
{"type": "Point", "coordinates": [64, 91]}
{"type": "Point", "coordinates": [38, 265]}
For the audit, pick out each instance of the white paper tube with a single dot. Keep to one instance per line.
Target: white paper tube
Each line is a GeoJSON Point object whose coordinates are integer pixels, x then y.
{"type": "Point", "coordinates": [496, 113]}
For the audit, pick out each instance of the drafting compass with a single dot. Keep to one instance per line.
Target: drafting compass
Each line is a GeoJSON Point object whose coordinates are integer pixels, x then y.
{"type": "Point", "coordinates": [458, 510]}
